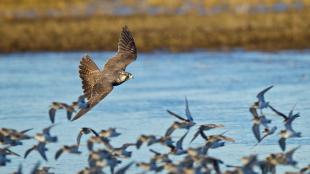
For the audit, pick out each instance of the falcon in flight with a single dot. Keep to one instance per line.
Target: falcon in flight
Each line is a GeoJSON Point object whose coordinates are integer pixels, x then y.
{"type": "Point", "coordinates": [96, 83]}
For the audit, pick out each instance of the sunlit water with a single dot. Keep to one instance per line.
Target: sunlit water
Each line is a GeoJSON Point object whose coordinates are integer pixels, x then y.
{"type": "Point", "coordinates": [220, 88]}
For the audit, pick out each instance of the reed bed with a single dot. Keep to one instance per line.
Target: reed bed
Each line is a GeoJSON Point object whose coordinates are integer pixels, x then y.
{"type": "Point", "coordinates": [257, 31]}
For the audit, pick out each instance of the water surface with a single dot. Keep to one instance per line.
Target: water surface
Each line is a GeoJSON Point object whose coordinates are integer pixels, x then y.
{"type": "Point", "coordinates": [220, 88]}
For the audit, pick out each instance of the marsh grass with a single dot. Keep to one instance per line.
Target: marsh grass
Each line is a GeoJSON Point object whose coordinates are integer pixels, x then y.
{"type": "Point", "coordinates": [258, 31]}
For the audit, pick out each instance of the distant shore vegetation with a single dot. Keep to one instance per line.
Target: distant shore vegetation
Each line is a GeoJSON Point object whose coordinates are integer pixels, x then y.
{"type": "Point", "coordinates": [31, 25]}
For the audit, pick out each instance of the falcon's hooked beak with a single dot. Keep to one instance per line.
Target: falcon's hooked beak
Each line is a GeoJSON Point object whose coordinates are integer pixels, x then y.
{"type": "Point", "coordinates": [130, 76]}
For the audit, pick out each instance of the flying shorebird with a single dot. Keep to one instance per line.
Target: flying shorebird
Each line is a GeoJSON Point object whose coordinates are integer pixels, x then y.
{"type": "Point", "coordinates": [257, 121]}
{"type": "Point", "coordinates": [40, 148]}
{"type": "Point", "coordinates": [288, 119]}
{"type": "Point", "coordinates": [109, 133]}
{"type": "Point", "coordinates": [289, 132]}
{"type": "Point", "coordinates": [3, 153]}
{"type": "Point", "coordinates": [74, 149]}
{"type": "Point", "coordinates": [185, 123]}
{"type": "Point", "coordinates": [80, 103]}
{"type": "Point", "coordinates": [261, 103]}
{"type": "Point", "coordinates": [267, 132]}
{"type": "Point", "coordinates": [58, 106]}
{"type": "Point", "coordinates": [214, 141]}
{"type": "Point", "coordinates": [13, 137]}
{"type": "Point", "coordinates": [205, 127]}
{"type": "Point", "coordinates": [85, 130]}
{"type": "Point", "coordinates": [97, 84]}
{"type": "Point", "coordinates": [46, 137]}
{"type": "Point", "coordinates": [149, 139]}
{"type": "Point", "coordinates": [178, 148]}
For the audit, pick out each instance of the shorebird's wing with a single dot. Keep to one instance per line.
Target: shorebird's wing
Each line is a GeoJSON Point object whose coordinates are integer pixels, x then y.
{"type": "Point", "coordinates": [12, 153]}
{"type": "Point", "coordinates": [124, 169]}
{"type": "Point", "coordinates": [254, 112]}
{"type": "Point", "coordinates": [28, 151]}
{"type": "Point", "coordinates": [195, 135]}
{"type": "Point", "coordinates": [256, 132]}
{"type": "Point", "coordinates": [261, 94]}
{"type": "Point", "coordinates": [90, 145]}
{"type": "Point", "coordinates": [179, 144]}
{"type": "Point", "coordinates": [278, 113]}
{"type": "Point", "coordinates": [288, 123]}
{"type": "Point", "coordinates": [203, 135]}
{"type": "Point", "coordinates": [225, 138]}
{"type": "Point", "coordinates": [94, 132]}
{"type": "Point", "coordinates": [170, 129]}
{"type": "Point", "coordinates": [26, 130]}
{"type": "Point", "coordinates": [46, 131]}
{"type": "Point", "coordinates": [187, 112]}
{"type": "Point", "coordinates": [69, 114]}
{"type": "Point", "coordinates": [282, 143]}
{"type": "Point", "coordinates": [102, 90]}
{"type": "Point", "coordinates": [291, 152]}
{"type": "Point", "coordinates": [35, 168]}
{"type": "Point", "coordinates": [41, 150]}
{"type": "Point", "coordinates": [154, 151]}
{"type": "Point", "coordinates": [78, 139]}
{"type": "Point", "coordinates": [58, 153]}
{"type": "Point", "coordinates": [176, 115]}
{"type": "Point", "coordinates": [126, 53]}
{"type": "Point", "coordinates": [52, 113]}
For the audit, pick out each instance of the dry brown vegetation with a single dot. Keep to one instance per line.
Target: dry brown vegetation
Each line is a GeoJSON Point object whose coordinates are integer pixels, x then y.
{"type": "Point", "coordinates": [35, 25]}
{"type": "Point", "coordinates": [265, 31]}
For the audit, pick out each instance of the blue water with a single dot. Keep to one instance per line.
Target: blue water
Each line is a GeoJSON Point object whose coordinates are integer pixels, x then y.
{"type": "Point", "coordinates": [220, 88]}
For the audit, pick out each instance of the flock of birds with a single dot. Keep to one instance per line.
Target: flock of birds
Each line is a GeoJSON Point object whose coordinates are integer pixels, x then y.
{"type": "Point", "coordinates": [104, 157]}
{"type": "Point", "coordinates": [173, 157]}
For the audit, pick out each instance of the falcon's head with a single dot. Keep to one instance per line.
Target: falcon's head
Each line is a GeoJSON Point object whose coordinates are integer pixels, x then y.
{"type": "Point", "coordinates": [123, 76]}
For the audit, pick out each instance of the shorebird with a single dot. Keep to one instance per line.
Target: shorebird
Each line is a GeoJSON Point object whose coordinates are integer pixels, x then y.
{"type": "Point", "coordinates": [285, 158]}
{"type": "Point", "coordinates": [284, 135]}
{"type": "Point", "coordinates": [249, 162]}
{"type": "Point", "coordinates": [261, 103]}
{"type": "Point", "coordinates": [185, 123]}
{"type": "Point", "coordinates": [151, 166]}
{"type": "Point", "coordinates": [80, 103]}
{"type": "Point", "coordinates": [3, 153]}
{"type": "Point", "coordinates": [91, 170]}
{"type": "Point", "coordinates": [46, 137]}
{"type": "Point", "coordinates": [164, 140]}
{"type": "Point", "coordinates": [85, 131]}
{"type": "Point", "coordinates": [74, 149]}
{"type": "Point", "coordinates": [205, 127]}
{"type": "Point", "coordinates": [288, 119]}
{"type": "Point", "coordinates": [96, 140]}
{"type": "Point", "coordinates": [289, 132]}
{"type": "Point", "coordinates": [40, 147]}
{"type": "Point", "coordinates": [178, 125]}
{"type": "Point", "coordinates": [119, 151]}
{"type": "Point", "coordinates": [257, 121]}
{"type": "Point", "coordinates": [214, 141]}
{"type": "Point", "coordinates": [109, 133]}
{"type": "Point", "coordinates": [98, 84]}
{"type": "Point", "coordinates": [267, 132]}
{"type": "Point", "coordinates": [159, 157]}
{"type": "Point", "coordinates": [149, 139]}
{"type": "Point", "coordinates": [59, 105]}
{"type": "Point", "coordinates": [178, 148]}
{"type": "Point", "coordinates": [13, 137]}
{"type": "Point", "coordinates": [43, 170]}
